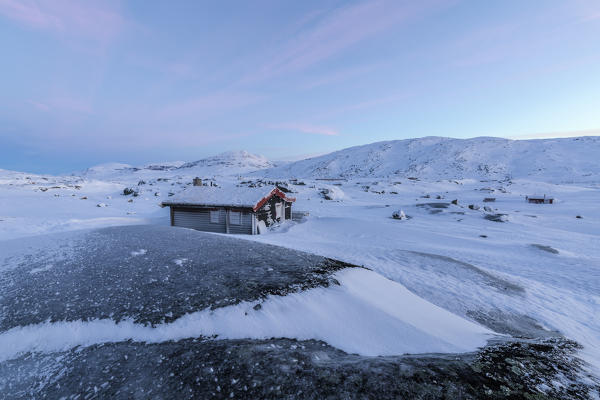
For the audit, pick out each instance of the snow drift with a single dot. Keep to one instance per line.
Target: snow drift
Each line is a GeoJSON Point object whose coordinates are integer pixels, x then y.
{"type": "Point", "coordinates": [367, 314]}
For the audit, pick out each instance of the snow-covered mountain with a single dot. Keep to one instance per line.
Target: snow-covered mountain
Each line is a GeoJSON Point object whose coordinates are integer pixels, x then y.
{"type": "Point", "coordinates": [109, 168]}
{"type": "Point", "coordinates": [564, 160]}
{"type": "Point", "coordinates": [228, 163]}
{"type": "Point", "coordinates": [433, 158]}
{"type": "Point", "coordinates": [231, 162]}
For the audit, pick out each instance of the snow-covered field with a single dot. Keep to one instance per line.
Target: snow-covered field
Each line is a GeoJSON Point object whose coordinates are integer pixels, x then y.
{"type": "Point", "coordinates": [543, 262]}
{"type": "Point", "coordinates": [512, 268]}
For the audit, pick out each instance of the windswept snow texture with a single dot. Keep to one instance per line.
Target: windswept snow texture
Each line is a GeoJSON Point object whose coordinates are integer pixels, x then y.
{"type": "Point", "coordinates": [432, 158]}
{"type": "Point", "coordinates": [371, 309]}
{"type": "Point", "coordinates": [138, 273]}
{"type": "Point", "coordinates": [499, 274]}
{"type": "Point", "coordinates": [228, 288]}
{"type": "Point", "coordinates": [235, 318]}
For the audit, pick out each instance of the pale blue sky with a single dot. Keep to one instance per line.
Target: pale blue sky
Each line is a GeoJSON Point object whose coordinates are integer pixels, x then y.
{"type": "Point", "coordinates": [86, 82]}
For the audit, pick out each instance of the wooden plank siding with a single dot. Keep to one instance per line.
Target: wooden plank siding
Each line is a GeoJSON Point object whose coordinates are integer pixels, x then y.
{"type": "Point", "coordinates": [199, 218]}
{"type": "Point", "coordinates": [246, 225]}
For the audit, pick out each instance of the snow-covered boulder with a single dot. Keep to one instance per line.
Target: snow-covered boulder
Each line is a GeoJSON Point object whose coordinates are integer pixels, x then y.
{"type": "Point", "coordinates": [332, 193]}
{"type": "Point", "coordinates": [399, 214]}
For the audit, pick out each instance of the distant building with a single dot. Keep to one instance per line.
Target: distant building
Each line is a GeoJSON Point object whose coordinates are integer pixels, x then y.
{"type": "Point", "coordinates": [540, 199]}
{"type": "Point", "coordinates": [240, 210]}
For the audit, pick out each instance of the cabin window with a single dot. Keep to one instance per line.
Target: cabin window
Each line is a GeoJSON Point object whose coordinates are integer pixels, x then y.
{"type": "Point", "coordinates": [235, 217]}
{"type": "Point", "coordinates": [214, 216]}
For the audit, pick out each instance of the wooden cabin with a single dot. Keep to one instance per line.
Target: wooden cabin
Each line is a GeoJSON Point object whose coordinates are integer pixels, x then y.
{"type": "Point", "coordinates": [540, 199]}
{"type": "Point", "coordinates": [240, 210]}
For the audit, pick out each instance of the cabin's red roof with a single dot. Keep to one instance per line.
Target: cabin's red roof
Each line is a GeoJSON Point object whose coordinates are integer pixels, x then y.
{"type": "Point", "coordinates": [275, 192]}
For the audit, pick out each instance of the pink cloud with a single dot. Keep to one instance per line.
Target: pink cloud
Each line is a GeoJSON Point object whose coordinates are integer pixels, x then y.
{"type": "Point", "coordinates": [95, 20]}
{"type": "Point", "coordinates": [304, 128]}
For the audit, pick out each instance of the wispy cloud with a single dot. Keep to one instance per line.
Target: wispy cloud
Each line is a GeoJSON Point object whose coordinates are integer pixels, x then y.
{"type": "Point", "coordinates": [305, 128]}
{"type": "Point", "coordinates": [339, 31]}
{"type": "Point", "coordinates": [39, 105]}
{"type": "Point", "coordinates": [58, 104]}
{"type": "Point", "coordinates": [94, 20]}
{"type": "Point", "coordinates": [339, 76]}
{"type": "Point", "coordinates": [592, 17]}
{"type": "Point", "coordinates": [177, 138]}
{"type": "Point", "coordinates": [210, 104]}
{"type": "Point", "coordinates": [351, 107]}
{"type": "Point", "coordinates": [182, 70]}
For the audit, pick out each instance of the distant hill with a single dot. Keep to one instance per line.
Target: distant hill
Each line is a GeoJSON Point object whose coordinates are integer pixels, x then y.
{"type": "Point", "coordinates": [552, 160]}
{"type": "Point", "coordinates": [431, 158]}
{"type": "Point", "coordinates": [229, 163]}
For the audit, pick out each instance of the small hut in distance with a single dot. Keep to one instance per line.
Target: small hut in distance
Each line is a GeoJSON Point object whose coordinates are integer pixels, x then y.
{"type": "Point", "coordinates": [540, 199]}
{"type": "Point", "coordinates": [241, 210]}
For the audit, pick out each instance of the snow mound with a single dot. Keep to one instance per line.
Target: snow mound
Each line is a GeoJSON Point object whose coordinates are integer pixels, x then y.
{"type": "Point", "coordinates": [366, 314]}
{"type": "Point", "coordinates": [332, 193]}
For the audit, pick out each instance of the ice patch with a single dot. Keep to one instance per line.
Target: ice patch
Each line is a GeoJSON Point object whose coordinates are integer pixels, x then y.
{"type": "Point", "coordinates": [366, 314]}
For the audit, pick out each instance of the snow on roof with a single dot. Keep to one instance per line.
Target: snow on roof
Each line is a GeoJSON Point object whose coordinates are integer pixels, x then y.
{"type": "Point", "coordinates": [232, 196]}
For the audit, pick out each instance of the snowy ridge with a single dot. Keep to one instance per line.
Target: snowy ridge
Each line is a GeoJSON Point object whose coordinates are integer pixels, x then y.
{"type": "Point", "coordinates": [434, 158]}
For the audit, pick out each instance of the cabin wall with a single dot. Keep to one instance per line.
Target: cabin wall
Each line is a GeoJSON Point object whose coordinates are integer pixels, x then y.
{"type": "Point", "coordinates": [199, 218]}
{"type": "Point", "coordinates": [246, 226]}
